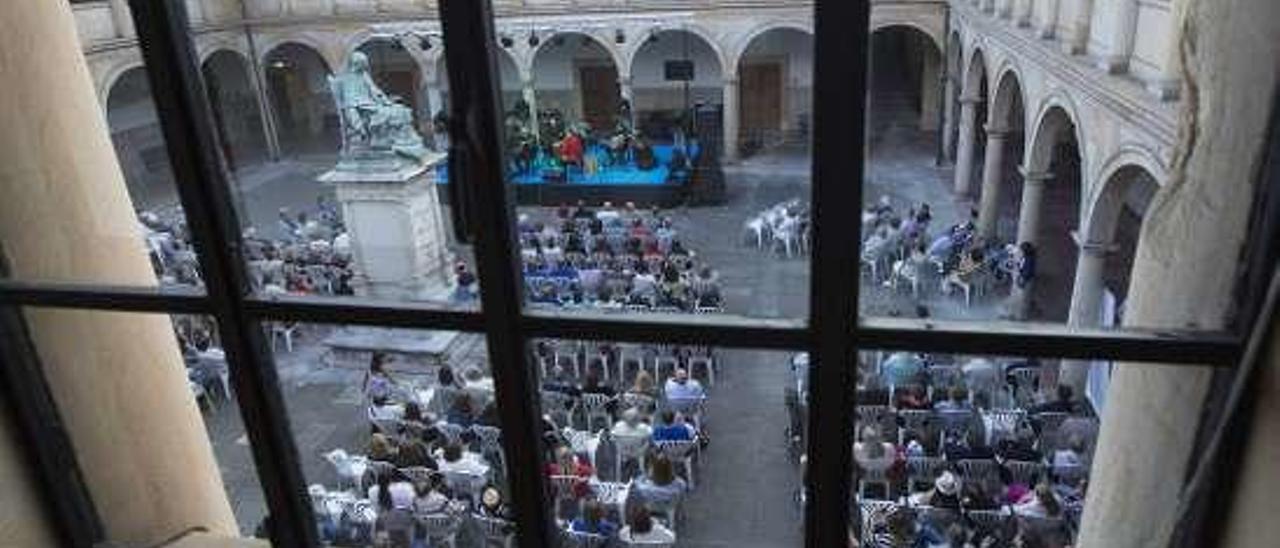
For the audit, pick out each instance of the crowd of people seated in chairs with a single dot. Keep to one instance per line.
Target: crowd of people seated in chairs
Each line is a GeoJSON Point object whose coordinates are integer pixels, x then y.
{"type": "Point", "coordinates": [433, 474]}
{"type": "Point", "coordinates": [611, 258]}
{"type": "Point", "coordinates": [783, 228]}
{"type": "Point", "coordinates": [973, 453]}
{"type": "Point", "coordinates": [899, 250]}
{"type": "Point", "coordinates": [312, 256]}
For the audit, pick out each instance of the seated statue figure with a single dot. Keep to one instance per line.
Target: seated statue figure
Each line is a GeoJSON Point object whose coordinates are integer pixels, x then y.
{"type": "Point", "coordinates": [372, 121]}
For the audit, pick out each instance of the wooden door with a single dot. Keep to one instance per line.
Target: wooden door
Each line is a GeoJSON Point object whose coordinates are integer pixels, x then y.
{"type": "Point", "coordinates": [599, 87]}
{"type": "Point", "coordinates": [761, 97]}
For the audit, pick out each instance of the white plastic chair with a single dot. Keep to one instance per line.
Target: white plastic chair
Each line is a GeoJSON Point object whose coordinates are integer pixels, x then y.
{"type": "Point", "coordinates": [704, 363]}
{"type": "Point", "coordinates": [440, 529]}
{"type": "Point", "coordinates": [627, 448]}
{"type": "Point", "coordinates": [490, 439]}
{"type": "Point", "coordinates": [495, 530]}
{"type": "Point", "coordinates": [682, 452]}
{"type": "Point", "coordinates": [559, 404]}
{"type": "Point", "coordinates": [596, 406]}
{"type": "Point", "coordinates": [280, 329]}
{"type": "Point", "coordinates": [419, 474]}
{"type": "Point", "coordinates": [350, 468]}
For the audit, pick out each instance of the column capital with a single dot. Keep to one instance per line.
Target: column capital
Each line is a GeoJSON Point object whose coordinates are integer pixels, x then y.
{"type": "Point", "coordinates": [966, 99]}
{"type": "Point", "coordinates": [624, 80]}
{"type": "Point", "coordinates": [730, 80]}
{"type": "Point", "coordinates": [996, 131]}
{"type": "Point", "coordinates": [1034, 176]}
{"type": "Point", "coordinates": [1093, 248]}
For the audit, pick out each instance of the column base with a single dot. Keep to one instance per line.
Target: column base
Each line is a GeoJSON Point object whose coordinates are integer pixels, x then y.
{"type": "Point", "coordinates": [1112, 64]}
{"type": "Point", "coordinates": [1165, 89]}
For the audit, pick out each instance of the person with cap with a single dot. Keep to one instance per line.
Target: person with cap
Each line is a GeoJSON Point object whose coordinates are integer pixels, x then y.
{"type": "Point", "coordinates": [944, 494]}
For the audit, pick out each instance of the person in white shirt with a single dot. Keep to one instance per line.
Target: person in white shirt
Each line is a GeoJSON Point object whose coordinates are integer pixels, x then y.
{"type": "Point", "coordinates": [873, 453]}
{"type": "Point", "coordinates": [631, 426]}
{"type": "Point", "coordinates": [642, 529]}
{"type": "Point", "coordinates": [681, 387]}
{"type": "Point", "coordinates": [401, 492]}
{"type": "Point", "coordinates": [454, 459]}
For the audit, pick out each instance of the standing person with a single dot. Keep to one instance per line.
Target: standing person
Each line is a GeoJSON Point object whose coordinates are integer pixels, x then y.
{"type": "Point", "coordinates": [377, 382]}
{"type": "Point", "coordinates": [465, 289]}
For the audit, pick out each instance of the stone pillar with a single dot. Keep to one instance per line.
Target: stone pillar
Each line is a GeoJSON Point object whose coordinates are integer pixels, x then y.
{"type": "Point", "coordinates": [1004, 8]}
{"type": "Point", "coordinates": [930, 87]}
{"type": "Point", "coordinates": [1048, 24]}
{"type": "Point", "coordinates": [1086, 304]}
{"type": "Point", "coordinates": [949, 118]}
{"type": "Point", "coordinates": [270, 130]}
{"type": "Point", "coordinates": [988, 6]}
{"type": "Point", "coordinates": [530, 95]}
{"type": "Point", "coordinates": [992, 177]}
{"type": "Point", "coordinates": [1028, 231]}
{"type": "Point", "coordinates": [1114, 40]}
{"type": "Point", "coordinates": [730, 119]}
{"type": "Point", "coordinates": [121, 18]}
{"type": "Point", "coordinates": [1022, 13]}
{"type": "Point", "coordinates": [964, 148]}
{"type": "Point", "coordinates": [1081, 15]}
{"type": "Point", "coordinates": [117, 379]}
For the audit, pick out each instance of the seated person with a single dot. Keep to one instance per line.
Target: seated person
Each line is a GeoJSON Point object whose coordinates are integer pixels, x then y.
{"type": "Point", "coordinates": [414, 453]}
{"type": "Point", "coordinates": [593, 521]}
{"type": "Point", "coordinates": [641, 529]}
{"type": "Point", "coordinates": [1042, 502]}
{"type": "Point", "coordinates": [560, 381]}
{"type": "Point", "coordinates": [911, 397]}
{"type": "Point", "coordinates": [672, 428]}
{"type": "Point", "coordinates": [903, 368]}
{"type": "Point", "coordinates": [1064, 403]}
{"type": "Point", "coordinates": [872, 453]}
{"type": "Point", "coordinates": [381, 448]}
{"type": "Point", "coordinates": [630, 426]}
{"type": "Point", "coordinates": [398, 490]}
{"type": "Point", "coordinates": [660, 486]}
{"type": "Point", "coordinates": [492, 506]}
{"type": "Point", "coordinates": [454, 459]}
{"type": "Point", "coordinates": [433, 497]}
{"type": "Point", "coordinates": [681, 387]}
{"type": "Point", "coordinates": [461, 412]}
{"type": "Point", "coordinates": [1070, 456]}
{"type": "Point", "coordinates": [944, 494]}
{"type": "Point", "coordinates": [957, 400]}
{"type": "Point", "coordinates": [568, 463]}
{"type": "Point", "coordinates": [1020, 447]}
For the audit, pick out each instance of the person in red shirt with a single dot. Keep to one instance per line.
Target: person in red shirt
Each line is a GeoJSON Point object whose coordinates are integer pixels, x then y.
{"type": "Point", "coordinates": [570, 149]}
{"type": "Point", "coordinates": [569, 464]}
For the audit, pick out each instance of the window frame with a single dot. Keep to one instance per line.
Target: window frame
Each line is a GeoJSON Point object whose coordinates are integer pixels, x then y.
{"type": "Point", "coordinates": [833, 334]}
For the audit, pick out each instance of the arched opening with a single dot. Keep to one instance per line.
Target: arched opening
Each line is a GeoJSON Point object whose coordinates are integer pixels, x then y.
{"type": "Point", "coordinates": [508, 75]}
{"type": "Point", "coordinates": [139, 141]}
{"type": "Point", "coordinates": [1057, 152]}
{"type": "Point", "coordinates": [1007, 116]}
{"type": "Point", "coordinates": [298, 87]}
{"type": "Point", "coordinates": [662, 90]}
{"type": "Point", "coordinates": [575, 76]}
{"type": "Point", "coordinates": [775, 81]}
{"type": "Point", "coordinates": [397, 74]}
{"type": "Point", "coordinates": [904, 83]}
{"type": "Point", "coordinates": [1117, 221]}
{"type": "Point", "coordinates": [236, 110]}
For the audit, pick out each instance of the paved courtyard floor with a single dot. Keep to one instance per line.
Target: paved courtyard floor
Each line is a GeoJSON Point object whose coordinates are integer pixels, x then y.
{"type": "Point", "coordinates": [747, 480]}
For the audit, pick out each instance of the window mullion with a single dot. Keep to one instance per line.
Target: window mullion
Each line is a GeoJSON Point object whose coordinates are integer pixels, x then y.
{"type": "Point", "coordinates": [476, 149]}
{"type": "Point", "coordinates": [186, 121]}
{"type": "Point", "coordinates": [840, 55]}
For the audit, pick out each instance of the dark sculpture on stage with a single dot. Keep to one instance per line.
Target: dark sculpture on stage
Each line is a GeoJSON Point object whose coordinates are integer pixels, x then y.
{"type": "Point", "coordinates": [522, 143]}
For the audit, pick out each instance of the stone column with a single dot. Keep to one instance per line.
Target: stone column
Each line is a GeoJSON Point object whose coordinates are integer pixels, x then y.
{"type": "Point", "coordinates": [964, 148]}
{"type": "Point", "coordinates": [529, 93]}
{"type": "Point", "coordinates": [988, 6]}
{"type": "Point", "coordinates": [270, 130]}
{"type": "Point", "coordinates": [1086, 304]}
{"type": "Point", "coordinates": [930, 87]}
{"type": "Point", "coordinates": [1115, 40]}
{"type": "Point", "coordinates": [1081, 16]}
{"type": "Point", "coordinates": [992, 175]}
{"type": "Point", "coordinates": [117, 379]}
{"type": "Point", "coordinates": [949, 118]}
{"type": "Point", "coordinates": [1048, 24]}
{"type": "Point", "coordinates": [1028, 229]}
{"type": "Point", "coordinates": [628, 94]}
{"type": "Point", "coordinates": [1004, 8]}
{"type": "Point", "coordinates": [1022, 13]}
{"type": "Point", "coordinates": [730, 119]}
{"type": "Point", "coordinates": [121, 18]}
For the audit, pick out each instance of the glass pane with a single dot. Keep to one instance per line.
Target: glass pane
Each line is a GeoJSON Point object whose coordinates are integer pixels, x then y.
{"type": "Point", "coordinates": [660, 168]}
{"type": "Point", "coordinates": [960, 449]}
{"type": "Point", "coordinates": [94, 196]}
{"type": "Point", "coordinates": [409, 413]}
{"type": "Point", "coordinates": [1000, 187]}
{"type": "Point", "coordinates": [698, 445]}
{"type": "Point", "coordinates": [185, 441]}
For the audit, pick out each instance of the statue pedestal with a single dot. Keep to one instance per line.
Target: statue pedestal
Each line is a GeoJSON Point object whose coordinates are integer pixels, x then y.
{"type": "Point", "coordinates": [398, 240]}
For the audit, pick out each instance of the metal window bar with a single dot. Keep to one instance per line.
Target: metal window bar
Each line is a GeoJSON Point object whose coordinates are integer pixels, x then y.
{"type": "Point", "coordinates": [187, 124]}
{"type": "Point", "coordinates": [841, 29]}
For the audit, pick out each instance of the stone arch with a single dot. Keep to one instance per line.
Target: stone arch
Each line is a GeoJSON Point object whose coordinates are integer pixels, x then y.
{"type": "Point", "coordinates": [1056, 148]}
{"type": "Point", "coordinates": [656, 102]}
{"type": "Point", "coordinates": [975, 71]}
{"type": "Point", "coordinates": [906, 64]}
{"type": "Point", "coordinates": [1008, 98]}
{"type": "Point", "coordinates": [739, 47]}
{"type": "Point", "coordinates": [932, 34]}
{"type": "Point", "coordinates": [1132, 165]}
{"type": "Point", "coordinates": [774, 69]}
{"type": "Point", "coordinates": [396, 72]}
{"type": "Point", "coordinates": [1039, 150]}
{"type": "Point", "coordinates": [138, 140]}
{"type": "Point", "coordinates": [296, 79]}
{"type": "Point", "coordinates": [233, 94]}
{"type": "Point", "coordinates": [576, 73]}
{"type": "Point", "coordinates": [619, 62]}
{"type": "Point", "coordinates": [301, 40]}
{"type": "Point", "coordinates": [112, 76]}
{"type": "Point", "coordinates": [634, 45]}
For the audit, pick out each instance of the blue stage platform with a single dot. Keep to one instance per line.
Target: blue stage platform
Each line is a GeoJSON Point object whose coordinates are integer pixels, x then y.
{"type": "Point", "coordinates": [619, 183]}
